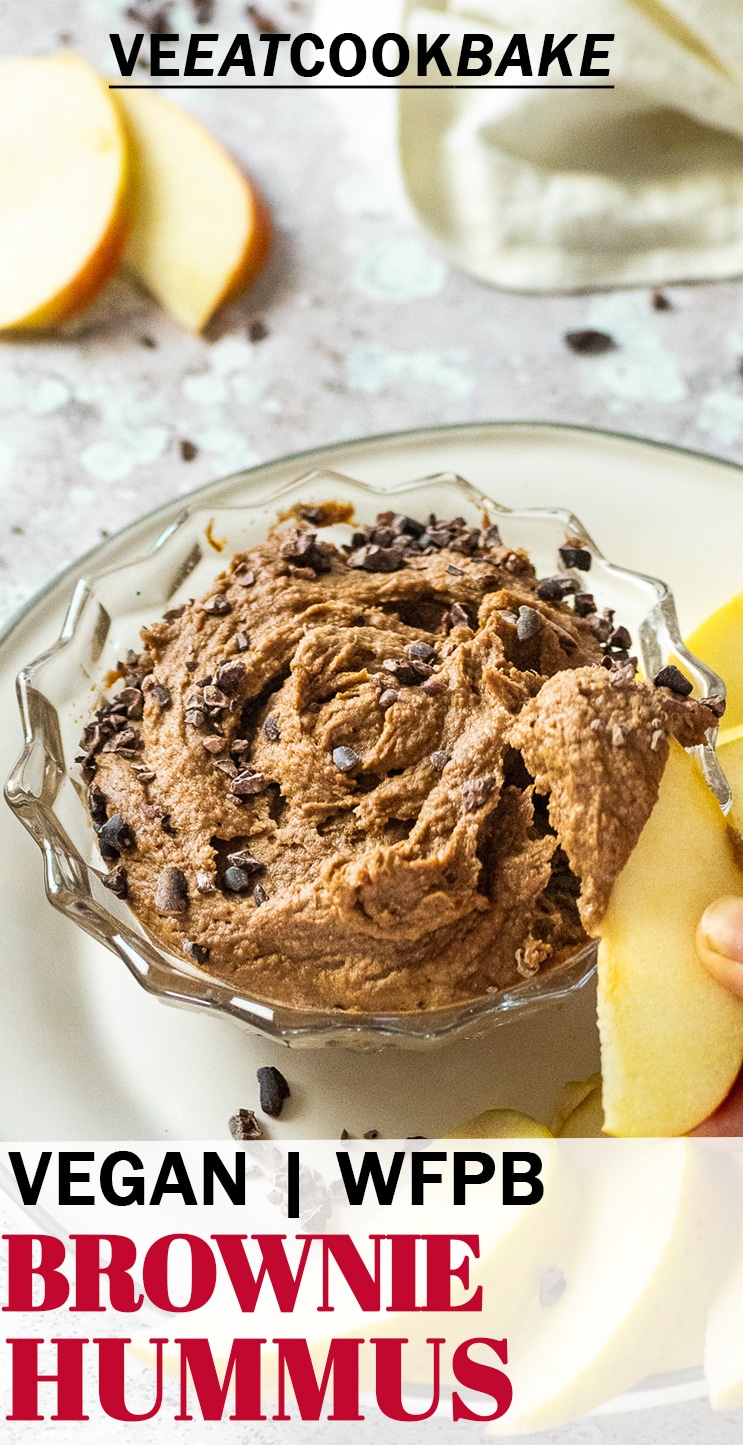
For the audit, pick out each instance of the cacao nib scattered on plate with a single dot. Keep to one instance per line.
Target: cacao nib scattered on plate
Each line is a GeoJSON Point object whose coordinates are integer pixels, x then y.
{"type": "Point", "coordinates": [244, 1126]}
{"type": "Point", "coordinates": [274, 1090]}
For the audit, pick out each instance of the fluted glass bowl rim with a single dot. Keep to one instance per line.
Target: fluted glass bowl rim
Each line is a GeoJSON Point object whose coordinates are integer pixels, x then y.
{"type": "Point", "coordinates": [73, 885]}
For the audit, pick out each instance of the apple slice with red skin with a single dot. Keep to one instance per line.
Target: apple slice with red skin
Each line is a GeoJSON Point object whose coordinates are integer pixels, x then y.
{"type": "Point", "coordinates": [64, 203]}
{"type": "Point", "coordinates": [201, 232]}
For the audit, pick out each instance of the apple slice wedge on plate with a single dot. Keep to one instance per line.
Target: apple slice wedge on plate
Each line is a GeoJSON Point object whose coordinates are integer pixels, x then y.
{"type": "Point", "coordinates": [201, 232]}
{"type": "Point", "coordinates": [63, 188]}
{"type": "Point", "coordinates": [671, 1036]}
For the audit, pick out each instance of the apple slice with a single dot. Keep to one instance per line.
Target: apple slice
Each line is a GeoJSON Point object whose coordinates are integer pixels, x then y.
{"type": "Point", "coordinates": [719, 642]}
{"type": "Point", "coordinates": [653, 1237]}
{"type": "Point", "coordinates": [671, 1037]}
{"type": "Point", "coordinates": [63, 188]}
{"type": "Point", "coordinates": [500, 1124]}
{"type": "Point", "coordinates": [574, 1096]}
{"type": "Point", "coordinates": [723, 1357]}
{"type": "Point", "coordinates": [519, 1244]}
{"type": "Point", "coordinates": [201, 232]}
{"type": "Point", "coordinates": [587, 1120]}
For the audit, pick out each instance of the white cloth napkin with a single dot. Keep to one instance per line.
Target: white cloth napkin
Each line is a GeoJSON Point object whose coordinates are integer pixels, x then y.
{"type": "Point", "coordinates": [558, 190]}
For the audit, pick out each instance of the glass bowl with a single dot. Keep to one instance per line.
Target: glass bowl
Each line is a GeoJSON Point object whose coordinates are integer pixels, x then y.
{"type": "Point", "coordinates": [59, 690]}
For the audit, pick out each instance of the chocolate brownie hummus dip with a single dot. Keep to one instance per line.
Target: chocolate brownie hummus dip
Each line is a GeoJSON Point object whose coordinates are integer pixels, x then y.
{"type": "Point", "coordinates": [386, 776]}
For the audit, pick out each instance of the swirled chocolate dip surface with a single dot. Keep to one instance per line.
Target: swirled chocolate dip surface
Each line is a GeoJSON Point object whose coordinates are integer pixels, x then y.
{"type": "Point", "coordinates": [388, 777]}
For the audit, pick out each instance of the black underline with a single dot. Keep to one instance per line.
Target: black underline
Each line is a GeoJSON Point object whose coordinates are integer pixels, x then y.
{"type": "Point", "coordinates": [186, 85]}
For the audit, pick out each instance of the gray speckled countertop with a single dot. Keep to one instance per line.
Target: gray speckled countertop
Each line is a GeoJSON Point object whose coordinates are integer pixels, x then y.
{"type": "Point", "coordinates": [367, 329]}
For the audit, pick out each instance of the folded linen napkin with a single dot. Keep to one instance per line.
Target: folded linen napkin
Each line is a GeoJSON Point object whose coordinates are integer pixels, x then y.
{"type": "Point", "coordinates": [563, 189]}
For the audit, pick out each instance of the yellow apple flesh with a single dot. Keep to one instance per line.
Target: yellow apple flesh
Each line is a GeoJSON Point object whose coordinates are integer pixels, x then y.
{"type": "Point", "coordinates": [64, 211]}
{"type": "Point", "coordinates": [587, 1120]}
{"type": "Point", "coordinates": [500, 1124]}
{"type": "Point", "coordinates": [573, 1095]}
{"type": "Point", "coordinates": [639, 1275]}
{"type": "Point", "coordinates": [671, 1036]}
{"type": "Point", "coordinates": [719, 643]}
{"type": "Point", "coordinates": [518, 1244]}
{"type": "Point", "coordinates": [723, 1356]}
{"type": "Point", "coordinates": [579, 1113]}
{"type": "Point", "coordinates": [201, 232]}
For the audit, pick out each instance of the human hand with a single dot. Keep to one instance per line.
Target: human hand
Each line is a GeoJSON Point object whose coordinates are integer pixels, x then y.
{"type": "Point", "coordinates": [719, 944]}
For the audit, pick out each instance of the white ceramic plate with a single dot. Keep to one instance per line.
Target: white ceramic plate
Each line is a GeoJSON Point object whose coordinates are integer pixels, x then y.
{"type": "Point", "coordinates": [86, 1054]}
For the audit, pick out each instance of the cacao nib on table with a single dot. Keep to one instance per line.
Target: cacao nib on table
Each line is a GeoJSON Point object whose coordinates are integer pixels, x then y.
{"type": "Point", "coordinates": [590, 342]}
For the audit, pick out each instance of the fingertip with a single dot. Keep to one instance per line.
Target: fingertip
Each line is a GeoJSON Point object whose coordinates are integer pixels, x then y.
{"type": "Point", "coordinates": [721, 927]}
{"type": "Point", "coordinates": [726, 970]}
